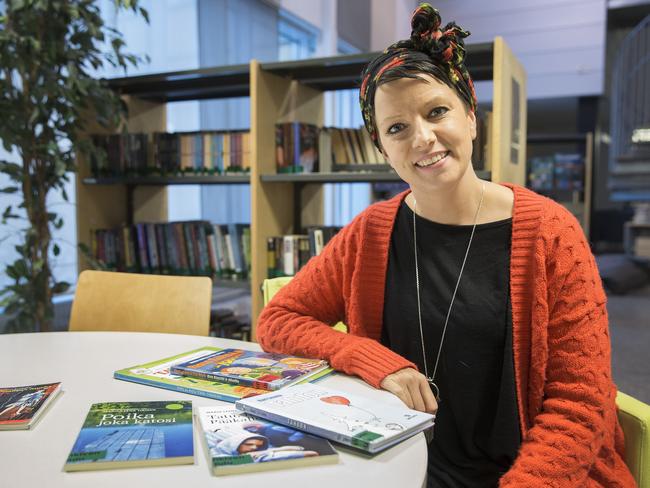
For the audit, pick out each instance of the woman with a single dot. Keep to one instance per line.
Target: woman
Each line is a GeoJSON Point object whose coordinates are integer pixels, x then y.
{"type": "Point", "coordinates": [476, 300]}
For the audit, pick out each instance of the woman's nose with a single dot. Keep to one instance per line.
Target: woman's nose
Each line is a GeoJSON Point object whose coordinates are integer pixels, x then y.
{"type": "Point", "coordinates": [424, 135]}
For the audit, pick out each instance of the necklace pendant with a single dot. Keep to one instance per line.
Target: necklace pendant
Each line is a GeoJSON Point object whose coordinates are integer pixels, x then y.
{"type": "Point", "coordinates": [435, 390]}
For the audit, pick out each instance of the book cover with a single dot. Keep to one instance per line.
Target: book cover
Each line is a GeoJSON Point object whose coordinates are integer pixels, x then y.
{"type": "Point", "coordinates": [134, 434]}
{"type": "Point", "coordinates": [342, 417]}
{"type": "Point", "coordinates": [158, 374]}
{"type": "Point", "coordinates": [262, 370]}
{"type": "Point", "coordinates": [21, 406]}
{"type": "Point", "coordinates": [239, 443]}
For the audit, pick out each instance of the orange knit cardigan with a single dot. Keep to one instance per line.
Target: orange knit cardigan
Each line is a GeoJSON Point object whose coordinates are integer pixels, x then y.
{"type": "Point", "coordinates": [565, 393]}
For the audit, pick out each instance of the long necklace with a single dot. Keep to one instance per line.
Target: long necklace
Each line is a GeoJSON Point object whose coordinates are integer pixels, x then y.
{"type": "Point", "coordinates": [430, 379]}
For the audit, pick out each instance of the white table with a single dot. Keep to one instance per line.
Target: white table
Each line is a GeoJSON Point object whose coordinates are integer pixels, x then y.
{"type": "Point", "coordinates": [84, 362]}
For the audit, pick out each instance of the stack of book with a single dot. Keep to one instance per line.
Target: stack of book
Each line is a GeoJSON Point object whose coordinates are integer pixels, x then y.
{"type": "Point", "coordinates": [163, 373]}
{"type": "Point", "coordinates": [171, 154]}
{"type": "Point", "coordinates": [342, 417]}
{"type": "Point", "coordinates": [178, 248]}
{"type": "Point", "coordinates": [286, 255]}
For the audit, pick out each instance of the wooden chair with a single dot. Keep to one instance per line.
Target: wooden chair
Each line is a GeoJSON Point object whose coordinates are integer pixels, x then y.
{"type": "Point", "coordinates": [634, 417]}
{"type": "Point", "coordinates": [271, 286]}
{"type": "Point", "coordinates": [108, 301]}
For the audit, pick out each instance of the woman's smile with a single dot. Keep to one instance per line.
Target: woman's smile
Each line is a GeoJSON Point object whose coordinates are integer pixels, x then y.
{"type": "Point", "coordinates": [434, 161]}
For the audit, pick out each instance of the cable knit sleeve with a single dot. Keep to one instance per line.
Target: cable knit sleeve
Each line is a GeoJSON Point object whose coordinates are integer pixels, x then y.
{"type": "Point", "coordinates": [299, 318]}
{"type": "Point", "coordinates": [578, 393]}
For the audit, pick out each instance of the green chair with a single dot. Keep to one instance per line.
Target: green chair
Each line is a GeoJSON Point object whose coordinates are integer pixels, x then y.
{"type": "Point", "coordinates": [271, 286]}
{"type": "Point", "coordinates": [634, 417]}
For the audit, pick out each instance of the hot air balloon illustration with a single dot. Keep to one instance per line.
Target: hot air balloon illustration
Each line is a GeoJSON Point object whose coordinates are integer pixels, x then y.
{"type": "Point", "coordinates": [341, 400]}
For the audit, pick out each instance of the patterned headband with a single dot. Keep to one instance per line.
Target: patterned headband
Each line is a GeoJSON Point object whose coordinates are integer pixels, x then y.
{"type": "Point", "coordinates": [429, 50]}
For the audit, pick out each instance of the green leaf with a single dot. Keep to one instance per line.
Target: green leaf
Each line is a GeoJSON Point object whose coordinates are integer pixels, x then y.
{"type": "Point", "coordinates": [144, 14]}
{"type": "Point", "coordinates": [60, 287]}
{"type": "Point", "coordinates": [9, 189]}
{"type": "Point", "coordinates": [56, 250]}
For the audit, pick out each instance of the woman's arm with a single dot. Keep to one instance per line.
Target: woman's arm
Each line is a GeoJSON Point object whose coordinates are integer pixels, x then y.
{"type": "Point", "coordinates": [299, 318]}
{"type": "Point", "coordinates": [578, 409]}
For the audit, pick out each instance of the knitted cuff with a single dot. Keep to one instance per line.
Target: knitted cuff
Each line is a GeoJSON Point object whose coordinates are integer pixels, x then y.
{"type": "Point", "coordinates": [372, 362]}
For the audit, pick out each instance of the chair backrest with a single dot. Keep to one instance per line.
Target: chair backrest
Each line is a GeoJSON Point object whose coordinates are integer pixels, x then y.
{"type": "Point", "coordinates": [634, 417]}
{"type": "Point", "coordinates": [108, 301]}
{"type": "Point", "coordinates": [271, 286]}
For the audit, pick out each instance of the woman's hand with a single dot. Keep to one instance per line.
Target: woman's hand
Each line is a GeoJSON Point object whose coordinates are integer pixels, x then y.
{"type": "Point", "coordinates": [412, 388]}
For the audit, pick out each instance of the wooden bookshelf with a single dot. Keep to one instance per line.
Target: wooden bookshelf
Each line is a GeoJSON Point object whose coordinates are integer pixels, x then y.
{"type": "Point", "coordinates": [283, 92]}
{"type": "Point", "coordinates": [170, 180]}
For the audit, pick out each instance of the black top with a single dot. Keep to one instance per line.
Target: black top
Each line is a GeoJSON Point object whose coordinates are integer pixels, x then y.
{"type": "Point", "coordinates": [476, 435]}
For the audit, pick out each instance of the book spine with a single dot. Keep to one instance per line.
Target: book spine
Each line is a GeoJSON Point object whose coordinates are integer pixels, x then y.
{"type": "Point", "coordinates": [180, 389]}
{"type": "Point", "coordinates": [204, 375]}
{"type": "Point", "coordinates": [297, 424]}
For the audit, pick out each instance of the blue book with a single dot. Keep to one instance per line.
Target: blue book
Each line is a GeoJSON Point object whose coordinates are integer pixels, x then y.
{"type": "Point", "coordinates": [134, 434]}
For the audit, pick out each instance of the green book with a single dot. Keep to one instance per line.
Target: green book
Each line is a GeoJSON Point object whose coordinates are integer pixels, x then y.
{"type": "Point", "coordinates": [158, 374]}
{"type": "Point", "coordinates": [134, 434]}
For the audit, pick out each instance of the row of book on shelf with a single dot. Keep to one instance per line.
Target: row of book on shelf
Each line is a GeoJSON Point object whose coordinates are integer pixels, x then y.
{"type": "Point", "coordinates": [202, 248]}
{"type": "Point", "coordinates": [286, 255]}
{"type": "Point", "coordinates": [280, 418]}
{"type": "Point", "coordinates": [307, 148]}
{"type": "Point", "coordinates": [171, 153]}
{"type": "Point", "coordinates": [179, 248]}
{"type": "Point", "coordinates": [299, 148]}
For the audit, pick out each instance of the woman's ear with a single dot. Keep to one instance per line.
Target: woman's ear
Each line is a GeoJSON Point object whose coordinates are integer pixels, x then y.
{"type": "Point", "coordinates": [471, 117]}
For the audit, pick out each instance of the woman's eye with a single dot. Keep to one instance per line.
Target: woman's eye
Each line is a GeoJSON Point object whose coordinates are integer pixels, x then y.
{"type": "Point", "coordinates": [438, 111]}
{"type": "Point", "coordinates": [395, 128]}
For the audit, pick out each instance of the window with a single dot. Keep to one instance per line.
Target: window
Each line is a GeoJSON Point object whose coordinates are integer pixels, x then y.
{"type": "Point", "coordinates": [296, 38]}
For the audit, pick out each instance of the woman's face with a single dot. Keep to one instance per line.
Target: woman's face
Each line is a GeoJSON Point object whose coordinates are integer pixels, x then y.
{"type": "Point", "coordinates": [425, 130]}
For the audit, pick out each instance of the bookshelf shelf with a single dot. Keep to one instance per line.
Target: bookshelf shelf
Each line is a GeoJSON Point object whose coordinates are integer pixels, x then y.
{"type": "Point", "coordinates": [342, 177]}
{"type": "Point", "coordinates": [332, 73]}
{"type": "Point", "coordinates": [282, 92]}
{"type": "Point", "coordinates": [226, 283]}
{"type": "Point", "coordinates": [171, 180]}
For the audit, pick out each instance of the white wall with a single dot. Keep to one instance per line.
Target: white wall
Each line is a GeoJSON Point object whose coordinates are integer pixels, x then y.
{"type": "Point", "coordinates": [391, 22]}
{"type": "Point", "coordinates": [561, 43]}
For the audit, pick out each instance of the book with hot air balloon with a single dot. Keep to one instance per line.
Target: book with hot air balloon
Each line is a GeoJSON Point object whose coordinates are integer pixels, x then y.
{"type": "Point", "coordinates": [342, 417]}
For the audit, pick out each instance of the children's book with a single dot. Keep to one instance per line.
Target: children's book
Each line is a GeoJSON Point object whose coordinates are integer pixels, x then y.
{"type": "Point", "coordinates": [339, 416]}
{"type": "Point", "coordinates": [263, 370]}
{"type": "Point", "coordinates": [21, 406]}
{"type": "Point", "coordinates": [239, 443]}
{"type": "Point", "coordinates": [134, 434]}
{"type": "Point", "coordinates": [158, 373]}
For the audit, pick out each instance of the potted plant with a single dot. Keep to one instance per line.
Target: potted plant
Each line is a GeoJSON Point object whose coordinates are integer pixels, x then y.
{"type": "Point", "coordinates": [49, 50]}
